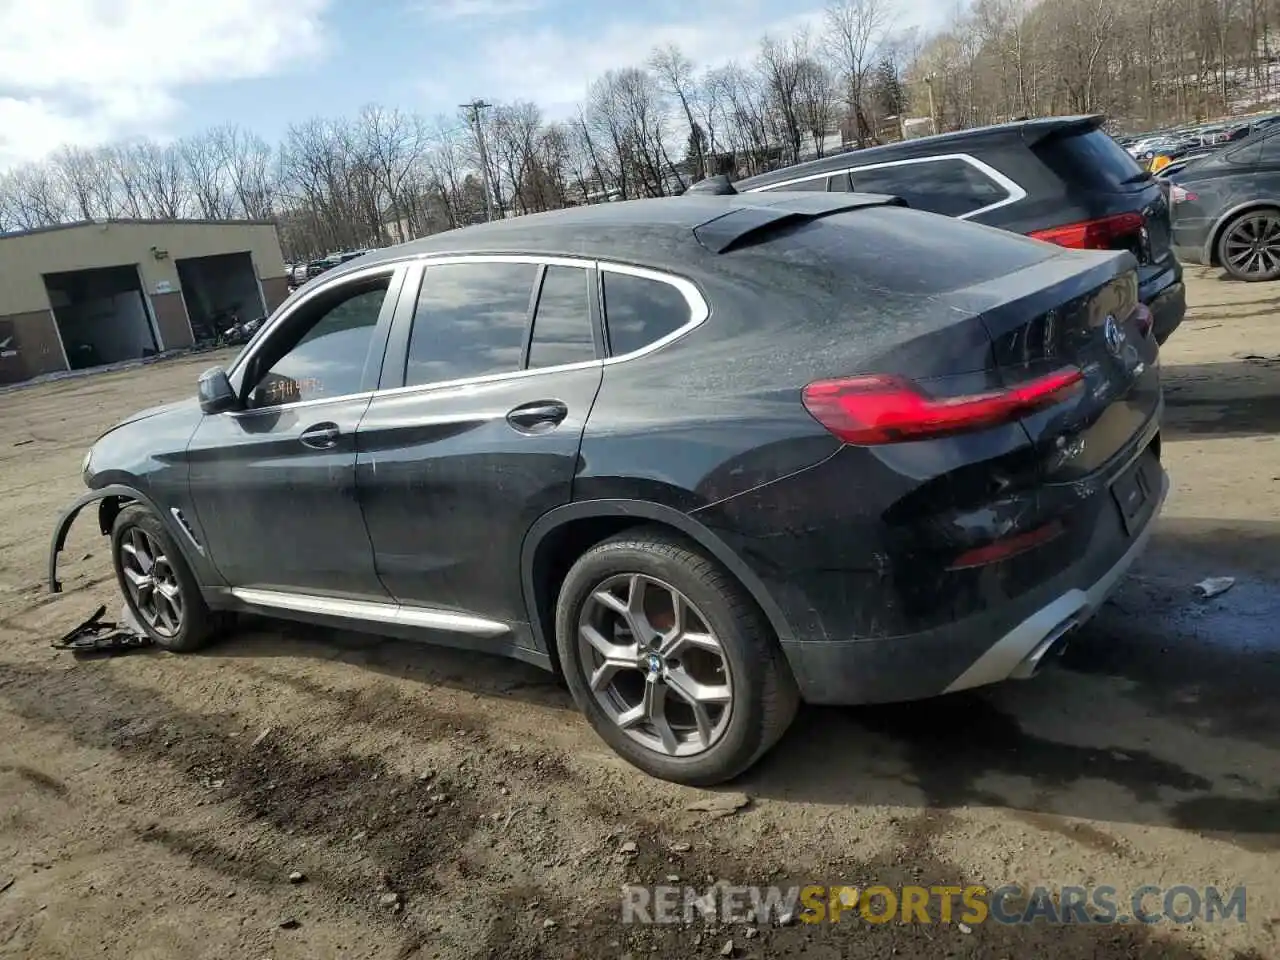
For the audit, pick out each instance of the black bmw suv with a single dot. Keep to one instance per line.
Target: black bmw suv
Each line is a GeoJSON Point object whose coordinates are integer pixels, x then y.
{"type": "Point", "coordinates": [704, 456]}
{"type": "Point", "coordinates": [1060, 179]}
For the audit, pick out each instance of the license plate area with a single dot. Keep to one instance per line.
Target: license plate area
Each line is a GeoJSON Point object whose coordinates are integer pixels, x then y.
{"type": "Point", "coordinates": [1132, 494]}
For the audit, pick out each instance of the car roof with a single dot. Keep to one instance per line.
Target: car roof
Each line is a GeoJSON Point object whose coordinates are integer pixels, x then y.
{"type": "Point", "coordinates": [1027, 130]}
{"type": "Point", "coordinates": [663, 233]}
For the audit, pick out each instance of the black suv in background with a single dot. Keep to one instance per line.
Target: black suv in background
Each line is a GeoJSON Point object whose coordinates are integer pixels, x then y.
{"type": "Point", "coordinates": [1060, 179]}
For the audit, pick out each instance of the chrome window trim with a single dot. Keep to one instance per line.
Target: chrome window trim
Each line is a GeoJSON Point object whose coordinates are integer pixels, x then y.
{"type": "Point", "coordinates": [699, 311]}
{"type": "Point", "coordinates": [440, 259]}
{"type": "Point", "coordinates": [298, 404]}
{"type": "Point", "coordinates": [1014, 190]}
{"type": "Point", "coordinates": [485, 379]}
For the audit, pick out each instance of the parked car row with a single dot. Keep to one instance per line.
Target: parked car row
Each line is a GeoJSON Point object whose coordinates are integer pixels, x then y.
{"type": "Point", "coordinates": [1159, 149]}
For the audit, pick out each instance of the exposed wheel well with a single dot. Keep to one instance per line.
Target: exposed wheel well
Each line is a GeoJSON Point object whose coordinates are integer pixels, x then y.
{"type": "Point", "coordinates": [108, 509]}
{"type": "Point", "coordinates": [1214, 259]}
{"type": "Point", "coordinates": [556, 553]}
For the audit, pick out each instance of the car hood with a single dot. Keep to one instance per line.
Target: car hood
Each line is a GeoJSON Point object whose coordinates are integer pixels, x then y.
{"type": "Point", "coordinates": [190, 405]}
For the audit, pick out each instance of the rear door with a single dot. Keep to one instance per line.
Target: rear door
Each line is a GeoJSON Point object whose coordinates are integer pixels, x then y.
{"type": "Point", "coordinates": [487, 385]}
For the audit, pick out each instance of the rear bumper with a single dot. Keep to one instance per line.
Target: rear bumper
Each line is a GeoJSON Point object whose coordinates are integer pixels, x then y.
{"type": "Point", "coordinates": [1167, 310]}
{"type": "Point", "coordinates": [961, 655]}
{"type": "Point", "coordinates": [1166, 295]}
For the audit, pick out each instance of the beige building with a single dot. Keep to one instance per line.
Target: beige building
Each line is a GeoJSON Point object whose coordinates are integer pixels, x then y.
{"type": "Point", "coordinates": [85, 294]}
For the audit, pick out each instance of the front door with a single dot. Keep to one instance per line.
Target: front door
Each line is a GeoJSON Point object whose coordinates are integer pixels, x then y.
{"type": "Point", "coordinates": [483, 436]}
{"type": "Point", "coordinates": [274, 483]}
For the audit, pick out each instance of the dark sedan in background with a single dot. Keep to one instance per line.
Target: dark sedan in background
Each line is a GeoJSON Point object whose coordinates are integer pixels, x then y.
{"type": "Point", "coordinates": [1226, 208]}
{"type": "Point", "coordinates": [706, 456]}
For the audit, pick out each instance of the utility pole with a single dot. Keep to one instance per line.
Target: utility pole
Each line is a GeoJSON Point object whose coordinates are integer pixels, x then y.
{"type": "Point", "coordinates": [933, 114]}
{"type": "Point", "coordinates": [473, 108]}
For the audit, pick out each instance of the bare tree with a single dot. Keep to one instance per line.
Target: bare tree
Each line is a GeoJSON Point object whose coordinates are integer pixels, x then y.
{"type": "Point", "coordinates": [675, 74]}
{"type": "Point", "coordinates": [854, 31]}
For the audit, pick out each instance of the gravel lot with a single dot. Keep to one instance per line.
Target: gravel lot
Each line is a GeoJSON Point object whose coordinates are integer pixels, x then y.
{"type": "Point", "coordinates": [440, 804]}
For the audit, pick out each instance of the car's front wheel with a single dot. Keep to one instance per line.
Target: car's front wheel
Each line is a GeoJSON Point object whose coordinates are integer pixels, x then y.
{"type": "Point", "coordinates": [1249, 247]}
{"type": "Point", "coordinates": [670, 659]}
{"type": "Point", "coordinates": [158, 586]}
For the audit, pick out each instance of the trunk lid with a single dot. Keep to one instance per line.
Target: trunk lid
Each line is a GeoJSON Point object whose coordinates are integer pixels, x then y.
{"type": "Point", "coordinates": [1077, 310]}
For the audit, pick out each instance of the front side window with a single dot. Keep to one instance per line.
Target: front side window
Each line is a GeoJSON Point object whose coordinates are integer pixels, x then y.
{"type": "Point", "coordinates": [562, 322]}
{"type": "Point", "coordinates": [640, 310]}
{"type": "Point", "coordinates": [328, 359]}
{"type": "Point", "coordinates": [950, 187]}
{"type": "Point", "coordinates": [470, 321]}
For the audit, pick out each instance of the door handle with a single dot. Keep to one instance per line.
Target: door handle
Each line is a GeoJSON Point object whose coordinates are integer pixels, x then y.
{"type": "Point", "coordinates": [322, 436]}
{"type": "Point", "coordinates": [538, 416]}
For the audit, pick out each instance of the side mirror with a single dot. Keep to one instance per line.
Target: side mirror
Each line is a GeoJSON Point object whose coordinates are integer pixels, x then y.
{"type": "Point", "coordinates": [216, 393]}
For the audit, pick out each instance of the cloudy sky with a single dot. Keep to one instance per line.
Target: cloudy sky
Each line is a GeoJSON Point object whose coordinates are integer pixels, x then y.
{"type": "Point", "coordinates": [86, 71]}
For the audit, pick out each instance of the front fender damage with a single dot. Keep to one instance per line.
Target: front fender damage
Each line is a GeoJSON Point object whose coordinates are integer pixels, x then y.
{"type": "Point", "coordinates": [68, 517]}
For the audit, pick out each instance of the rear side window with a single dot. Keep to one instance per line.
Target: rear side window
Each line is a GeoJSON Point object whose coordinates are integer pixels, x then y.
{"type": "Point", "coordinates": [562, 322]}
{"type": "Point", "coordinates": [948, 186]}
{"type": "Point", "coordinates": [1271, 150]}
{"type": "Point", "coordinates": [470, 321]}
{"type": "Point", "coordinates": [1090, 159]}
{"type": "Point", "coordinates": [1249, 152]}
{"type": "Point", "coordinates": [640, 311]}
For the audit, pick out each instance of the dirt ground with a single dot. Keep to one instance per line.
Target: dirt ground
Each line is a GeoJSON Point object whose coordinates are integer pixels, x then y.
{"type": "Point", "coordinates": [449, 805]}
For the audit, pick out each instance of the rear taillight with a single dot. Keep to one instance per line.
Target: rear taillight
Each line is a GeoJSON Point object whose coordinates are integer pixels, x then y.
{"type": "Point", "coordinates": [879, 409]}
{"type": "Point", "coordinates": [1179, 194]}
{"type": "Point", "coordinates": [1099, 234]}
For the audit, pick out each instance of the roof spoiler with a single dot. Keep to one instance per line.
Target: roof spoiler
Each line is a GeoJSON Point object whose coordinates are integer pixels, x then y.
{"type": "Point", "coordinates": [1033, 134]}
{"type": "Point", "coordinates": [745, 225]}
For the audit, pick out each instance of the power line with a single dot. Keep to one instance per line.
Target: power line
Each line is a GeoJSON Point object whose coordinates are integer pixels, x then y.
{"type": "Point", "coordinates": [475, 106]}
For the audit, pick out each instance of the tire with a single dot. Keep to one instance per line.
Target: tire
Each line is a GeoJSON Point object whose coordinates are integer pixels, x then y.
{"type": "Point", "coordinates": [1249, 245]}
{"type": "Point", "coordinates": [138, 531]}
{"type": "Point", "coordinates": [698, 749]}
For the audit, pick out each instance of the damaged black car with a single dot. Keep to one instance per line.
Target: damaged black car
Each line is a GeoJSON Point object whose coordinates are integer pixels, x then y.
{"type": "Point", "coordinates": [705, 457]}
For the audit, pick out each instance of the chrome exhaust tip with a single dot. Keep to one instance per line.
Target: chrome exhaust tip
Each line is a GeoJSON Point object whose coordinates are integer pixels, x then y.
{"type": "Point", "coordinates": [1053, 644]}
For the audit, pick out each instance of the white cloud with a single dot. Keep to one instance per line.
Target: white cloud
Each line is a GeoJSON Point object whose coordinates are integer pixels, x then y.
{"type": "Point", "coordinates": [82, 71]}
{"type": "Point", "coordinates": [553, 65]}
{"type": "Point", "coordinates": [554, 68]}
{"type": "Point", "coordinates": [476, 9]}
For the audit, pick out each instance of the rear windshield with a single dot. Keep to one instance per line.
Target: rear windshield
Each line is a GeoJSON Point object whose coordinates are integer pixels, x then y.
{"type": "Point", "coordinates": [1091, 159]}
{"type": "Point", "coordinates": [897, 251]}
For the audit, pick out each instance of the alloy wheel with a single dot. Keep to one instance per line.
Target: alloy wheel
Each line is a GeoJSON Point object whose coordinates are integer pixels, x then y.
{"type": "Point", "coordinates": [654, 665]}
{"type": "Point", "coordinates": [151, 581]}
{"type": "Point", "coordinates": [1252, 247]}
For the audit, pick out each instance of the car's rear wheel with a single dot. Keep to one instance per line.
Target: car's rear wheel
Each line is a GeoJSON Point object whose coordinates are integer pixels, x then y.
{"type": "Point", "coordinates": [670, 659]}
{"type": "Point", "coordinates": [158, 586]}
{"type": "Point", "coordinates": [1249, 247]}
